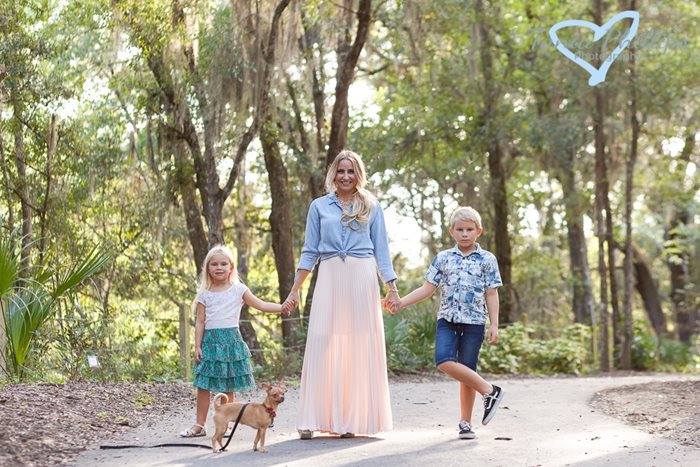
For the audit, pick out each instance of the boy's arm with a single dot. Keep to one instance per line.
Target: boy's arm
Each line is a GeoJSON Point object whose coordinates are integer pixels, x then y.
{"type": "Point", "coordinates": [419, 294]}
{"type": "Point", "coordinates": [492, 306]}
{"type": "Point", "coordinates": [251, 300]}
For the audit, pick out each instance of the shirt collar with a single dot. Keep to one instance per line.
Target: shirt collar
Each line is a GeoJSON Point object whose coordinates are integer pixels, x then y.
{"type": "Point", "coordinates": [333, 198]}
{"type": "Point", "coordinates": [477, 251]}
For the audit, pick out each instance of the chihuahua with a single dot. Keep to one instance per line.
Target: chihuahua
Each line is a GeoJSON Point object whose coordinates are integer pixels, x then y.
{"type": "Point", "coordinates": [258, 416]}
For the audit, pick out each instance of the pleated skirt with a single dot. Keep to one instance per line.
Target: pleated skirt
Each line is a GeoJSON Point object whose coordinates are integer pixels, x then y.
{"type": "Point", "coordinates": [344, 383]}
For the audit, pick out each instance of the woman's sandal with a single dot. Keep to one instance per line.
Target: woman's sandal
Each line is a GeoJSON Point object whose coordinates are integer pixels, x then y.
{"type": "Point", "coordinates": [191, 433]}
{"type": "Point", "coordinates": [347, 435]}
{"type": "Point", "coordinates": [305, 434]}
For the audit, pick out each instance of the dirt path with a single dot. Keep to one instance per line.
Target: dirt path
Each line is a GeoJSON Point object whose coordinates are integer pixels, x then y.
{"type": "Point", "coordinates": [541, 422]}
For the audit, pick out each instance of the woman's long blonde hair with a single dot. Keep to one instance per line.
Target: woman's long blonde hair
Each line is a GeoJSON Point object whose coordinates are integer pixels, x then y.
{"type": "Point", "coordinates": [363, 201]}
{"type": "Point", "coordinates": [204, 278]}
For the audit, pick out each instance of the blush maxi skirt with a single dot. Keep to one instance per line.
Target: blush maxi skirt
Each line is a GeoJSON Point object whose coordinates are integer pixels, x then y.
{"type": "Point", "coordinates": [344, 383]}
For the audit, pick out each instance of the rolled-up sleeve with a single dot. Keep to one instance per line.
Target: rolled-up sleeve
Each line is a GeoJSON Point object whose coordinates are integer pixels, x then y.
{"type": "Point", "coordinates": [312, 238]}
{"type": "Point", "coordinates": [377, 233]}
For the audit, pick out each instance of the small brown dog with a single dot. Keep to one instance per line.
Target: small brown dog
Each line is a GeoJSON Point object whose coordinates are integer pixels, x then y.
{"type": "Point", "coordinates": [258, 416]}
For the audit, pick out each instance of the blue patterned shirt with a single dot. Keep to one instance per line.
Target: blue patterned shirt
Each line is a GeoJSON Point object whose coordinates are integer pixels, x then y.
{"type": "Point", "coordinates": [464, 280]}
{"type": "Point", "coordinates": [327, 236]}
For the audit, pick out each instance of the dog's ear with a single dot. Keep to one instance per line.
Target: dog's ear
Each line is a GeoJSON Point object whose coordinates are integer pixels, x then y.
{"type": "Point", "coordinates": [282, 385]}
{"type": "Point", "coordinates": [265, 386]}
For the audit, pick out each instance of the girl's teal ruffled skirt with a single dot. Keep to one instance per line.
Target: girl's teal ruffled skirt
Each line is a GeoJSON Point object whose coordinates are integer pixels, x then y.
{"type": "Point", "coordinates": [225, 366]}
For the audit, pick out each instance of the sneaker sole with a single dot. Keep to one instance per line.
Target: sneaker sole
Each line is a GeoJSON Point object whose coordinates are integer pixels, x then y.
{"type": "Point", "coordinates": [467, 435]}
{"type": "Point", "coordinates": [493, 409]}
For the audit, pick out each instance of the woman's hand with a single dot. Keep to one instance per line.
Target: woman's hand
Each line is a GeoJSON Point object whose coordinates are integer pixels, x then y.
{"type": "Point", "coordinates": [291, 302]}
{"type": "Point", "coordinates": [198, 354]}
{"type": "Point", "coordinates": [392, 301]}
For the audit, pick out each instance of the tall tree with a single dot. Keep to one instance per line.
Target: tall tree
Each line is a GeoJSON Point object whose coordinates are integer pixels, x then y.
{"type": "Point", "coordinates": [601, 201]}
{"type": "Point", "coordinates": [626, 354]}
{"type": "Point", "coordinates": [497, 171]}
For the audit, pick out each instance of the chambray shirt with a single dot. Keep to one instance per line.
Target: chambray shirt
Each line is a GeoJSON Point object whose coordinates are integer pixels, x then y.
{"type": "Point", "coordinates": [327, 237]}
{"type": "Point", "coordinates": [464, 280]}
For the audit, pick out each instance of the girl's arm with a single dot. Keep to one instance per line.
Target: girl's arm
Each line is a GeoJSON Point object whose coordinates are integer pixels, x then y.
{"type": "Point", "coordinates": [199, 331]}
{"type": "Point", "coordinates": [293, 298]}
{"type": "Point", "coordinates": [251, 300]}
{"type": "Point", "coordinates": [419, 294]}
{"type": "Point", "coordinates": [492, 305]}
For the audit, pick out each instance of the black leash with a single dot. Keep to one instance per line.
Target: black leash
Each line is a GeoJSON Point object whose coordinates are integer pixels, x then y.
{"type": "Point", "coordinates": [129, 446]}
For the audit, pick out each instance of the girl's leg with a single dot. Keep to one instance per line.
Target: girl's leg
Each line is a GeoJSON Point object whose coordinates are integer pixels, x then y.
{"type": "Point", "coordinates": [203, 397]}
{"type": "Point", "coordinates": [466, 401]}
{"type": "Point", "coordinates": [466, 375]}
{"type": "Point", "coordinates": [230, 396]}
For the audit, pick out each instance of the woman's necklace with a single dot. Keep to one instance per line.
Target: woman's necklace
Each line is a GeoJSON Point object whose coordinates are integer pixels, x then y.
{"type": "Point", "coordinates": [345, 204]}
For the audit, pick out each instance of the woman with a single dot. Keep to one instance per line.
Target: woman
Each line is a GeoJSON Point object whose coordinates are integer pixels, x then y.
{"type": "Point", "coordinates": [344, 385]}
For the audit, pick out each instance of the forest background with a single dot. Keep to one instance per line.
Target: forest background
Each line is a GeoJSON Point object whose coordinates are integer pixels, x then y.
{"type": "Point", "coordinates": [136, 134]}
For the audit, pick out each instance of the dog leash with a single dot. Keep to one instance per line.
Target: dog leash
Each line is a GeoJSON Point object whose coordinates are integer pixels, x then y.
{"type": "Point", "coordinates": [129, 446]}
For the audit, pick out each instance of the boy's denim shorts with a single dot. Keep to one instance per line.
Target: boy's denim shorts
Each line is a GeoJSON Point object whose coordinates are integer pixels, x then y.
{"type": "Point", "coordinates": [457, 342]}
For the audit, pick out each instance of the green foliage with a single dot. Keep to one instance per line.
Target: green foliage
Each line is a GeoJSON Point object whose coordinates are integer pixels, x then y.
{"type": "Point", "coordinates": [518, 352]}
{"type": "Point", "coordinates": [662, 354]}
{"type": "Point", "coordinates": [30, 303]}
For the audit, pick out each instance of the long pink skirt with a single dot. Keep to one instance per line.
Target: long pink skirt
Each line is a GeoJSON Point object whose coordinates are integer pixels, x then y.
{"type": "Point", "coordinates": [344, 384]}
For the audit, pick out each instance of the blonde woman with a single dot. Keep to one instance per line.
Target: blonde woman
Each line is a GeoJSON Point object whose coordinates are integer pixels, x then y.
{"type": "Point", "coordinates": [344, 386]}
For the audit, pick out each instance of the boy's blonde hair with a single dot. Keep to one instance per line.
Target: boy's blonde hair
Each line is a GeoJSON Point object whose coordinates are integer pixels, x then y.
{"type": "Point", "coordinates": [362, 201]}
{"type": "Point", "coordinates": [466, 213]}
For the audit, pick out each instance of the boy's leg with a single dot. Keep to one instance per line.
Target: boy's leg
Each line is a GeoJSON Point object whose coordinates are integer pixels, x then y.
{"type": "Point", "coordinates": [467, 396]}
{"type": "Point", "coordinates": [467, 376]}
{"type": "Point", "coordinates": [446, 350]}
{"type": "Point", "coordinates": [469, 345]}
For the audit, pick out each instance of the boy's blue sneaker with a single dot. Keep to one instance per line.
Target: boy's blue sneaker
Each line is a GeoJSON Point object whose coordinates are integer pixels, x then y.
{"type": "Point", "coordinates": [491, 402]}
{"type": "Point", "coordinates": [465, 430]}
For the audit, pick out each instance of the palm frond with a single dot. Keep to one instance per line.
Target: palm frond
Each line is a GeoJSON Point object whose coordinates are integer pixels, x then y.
{"type": "Point", "coordinates": [82, 269]}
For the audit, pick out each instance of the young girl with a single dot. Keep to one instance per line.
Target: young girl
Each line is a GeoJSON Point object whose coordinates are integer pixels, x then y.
{"type": "Point", "coordinates": [222, 357]}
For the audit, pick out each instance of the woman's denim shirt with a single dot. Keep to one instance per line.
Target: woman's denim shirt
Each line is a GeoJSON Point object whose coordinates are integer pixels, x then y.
{"type": "Point", "coordinates": [327, 237]}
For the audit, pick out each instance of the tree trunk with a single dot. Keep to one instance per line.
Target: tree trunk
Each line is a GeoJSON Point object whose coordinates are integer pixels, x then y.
{"type": "Point", "coordinates": [649, 291]}
{"type": "Point", "coordinates": [50, 152]}
{"type": "Point", "coordinates": [242, 232]}
{"type": "Point", "coordinates": [280, 222]}
{"type": "Point", "coordinates": [582, 300]}
{"type": "Point", "coordinates": [497, 171]}
{"type": "Point", "coordinates": [281, 212]}
{"type": "Point", "coordinates": [679, 263]}
{"type": "Point", "coordinates": [347, 61]}
{"type": "Point", "coordinates": [193, 218]}
{"type": "Point", "coordinates": [601, 195]}
{"type": "Point", "coordinates": [22, 185]}
{"type": "Point", "coordinates": [626, 353]}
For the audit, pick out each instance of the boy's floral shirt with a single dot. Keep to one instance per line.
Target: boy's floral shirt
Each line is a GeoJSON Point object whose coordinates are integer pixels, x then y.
{"type": "Point", "coordinates": [464, 280]}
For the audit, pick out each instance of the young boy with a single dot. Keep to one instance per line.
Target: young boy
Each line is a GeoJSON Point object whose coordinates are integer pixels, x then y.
{"type": "Point", "coordinates": [469, 278]}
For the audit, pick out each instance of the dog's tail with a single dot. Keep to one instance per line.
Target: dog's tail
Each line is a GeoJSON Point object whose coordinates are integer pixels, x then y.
{"type": "Point", "coordinates": [217, 404]}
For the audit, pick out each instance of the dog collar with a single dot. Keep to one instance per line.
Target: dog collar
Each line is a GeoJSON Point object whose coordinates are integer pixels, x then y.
{"type": "Point", "coordinates": [270, 410]}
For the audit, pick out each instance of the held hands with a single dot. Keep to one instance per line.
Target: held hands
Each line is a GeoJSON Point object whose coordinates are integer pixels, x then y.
{"type": "Point", "coordinates": [392, 302]}
{"type": "Point", "coordinates": [290, 303]}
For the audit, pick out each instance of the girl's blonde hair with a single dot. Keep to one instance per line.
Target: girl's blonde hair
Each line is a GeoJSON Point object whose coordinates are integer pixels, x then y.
{"type": "Point", "coordinates": [363, 201]}
{"type": "Point", "coordinates": [467, 213]}
{"type": "Point", "coordinates": [204, 278]}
